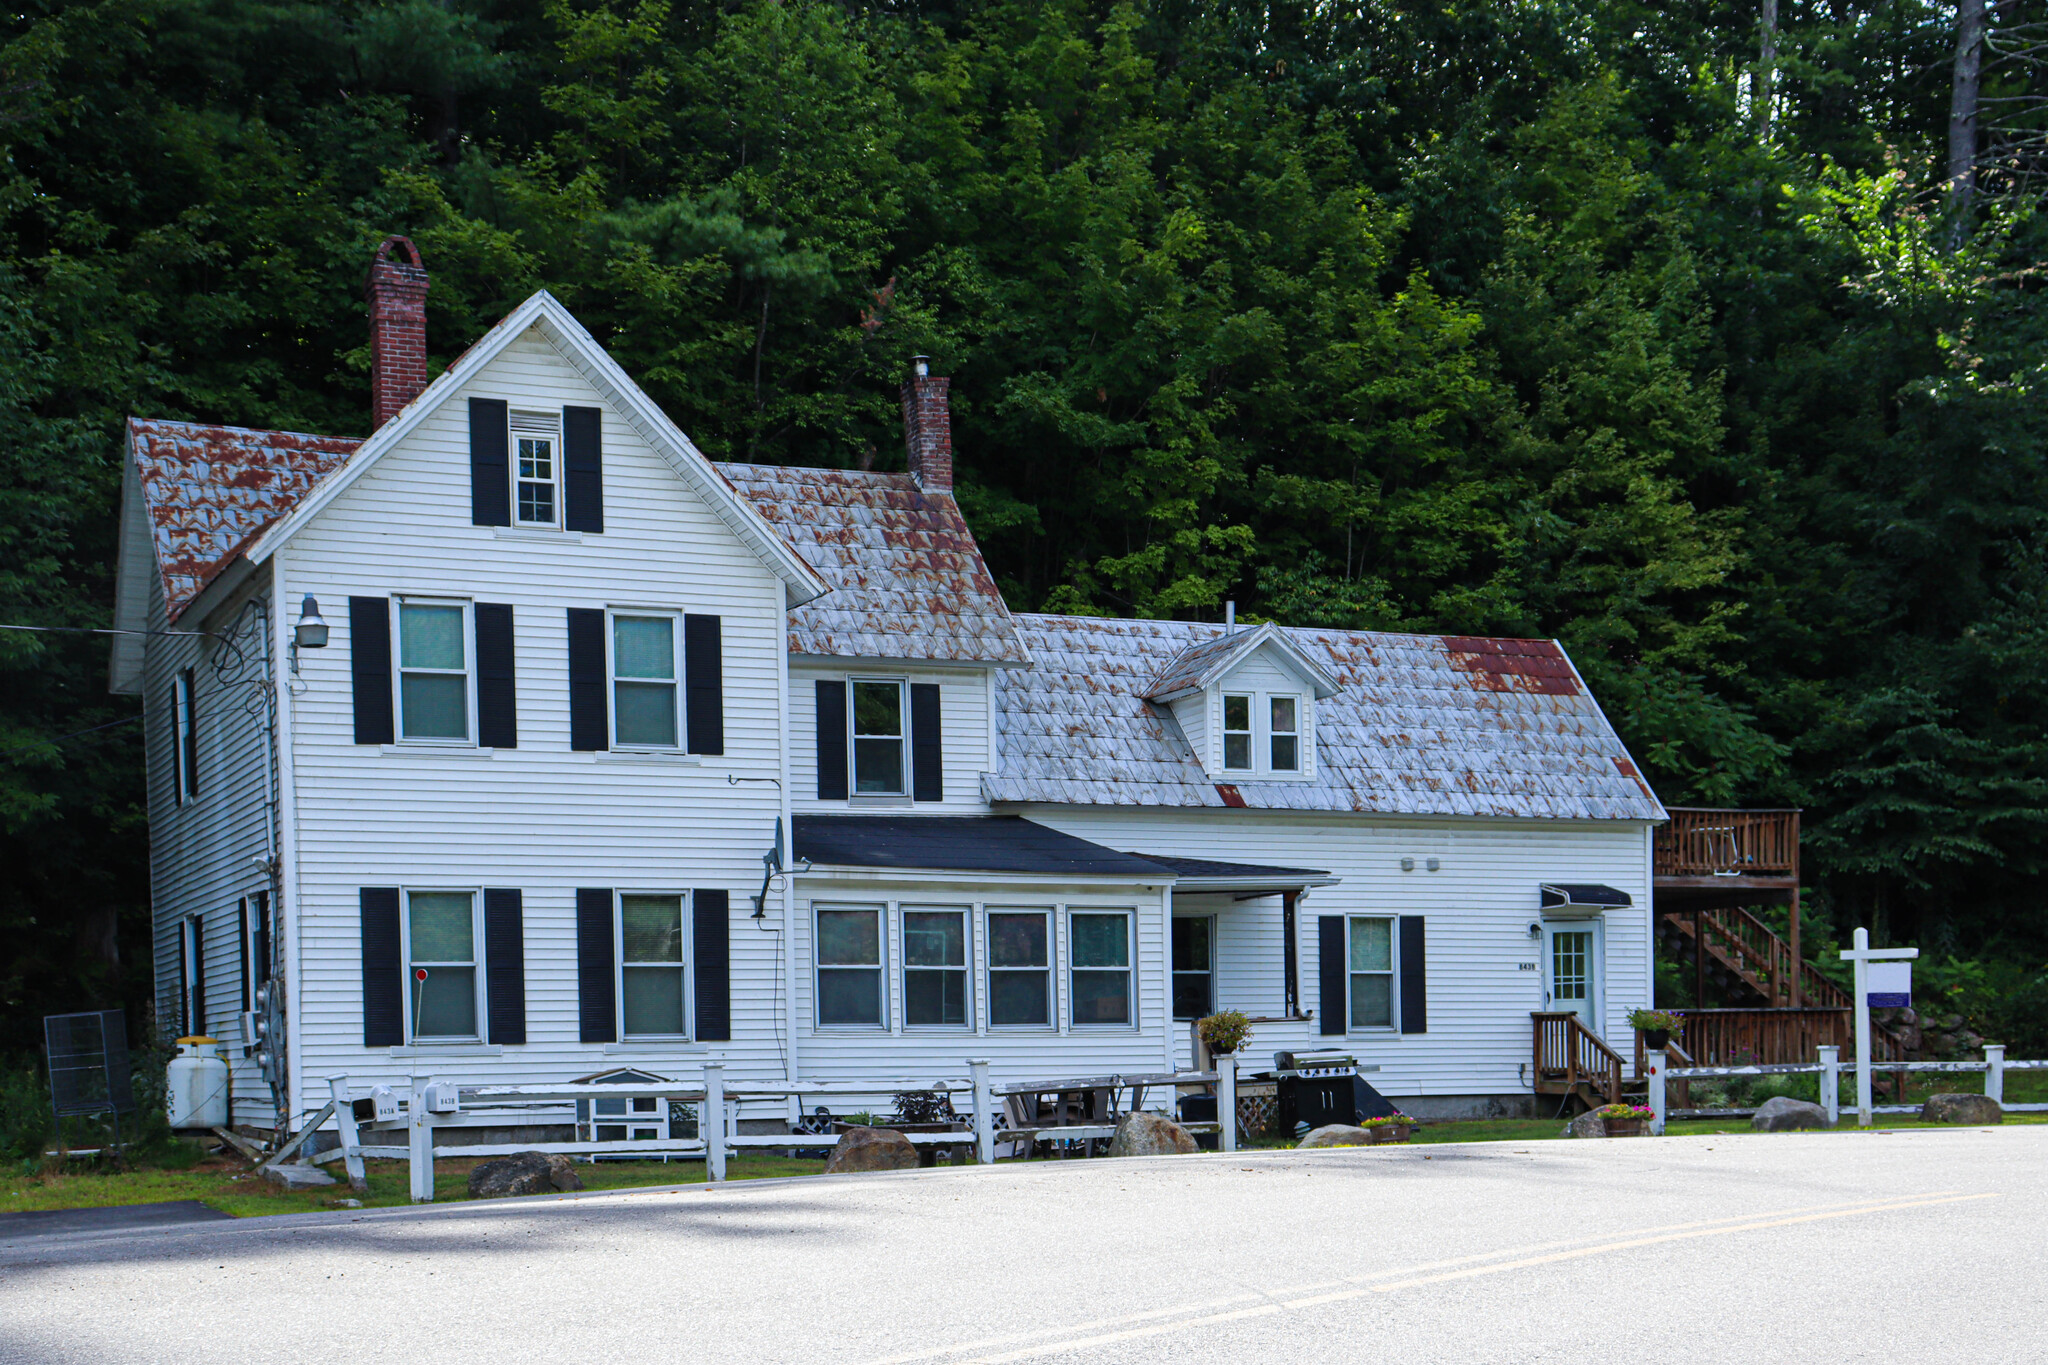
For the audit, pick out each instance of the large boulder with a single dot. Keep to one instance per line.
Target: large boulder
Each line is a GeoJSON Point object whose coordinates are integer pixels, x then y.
{"type": "Point", "coordinates": [1337, 1135]}
{"type": "Point", "coordinates": [1783, 1114]}
{"type": "Point", "coordinates": [1150, 1135]}
{"type": "Point", "coordinates": [1962, 1109]}
{"type": "Point", "coordinates": [1587, 1125]}
{"type": "Point", "coordinates": [872, 1149]}
{"type": "Point", "coordinates": [524, 1173]}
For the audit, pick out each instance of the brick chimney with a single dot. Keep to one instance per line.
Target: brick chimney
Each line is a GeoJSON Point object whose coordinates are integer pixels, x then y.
{"type": "Point", "coordinates": [397, 291]}
{"type": "Point", "coordinates": [928, 427]}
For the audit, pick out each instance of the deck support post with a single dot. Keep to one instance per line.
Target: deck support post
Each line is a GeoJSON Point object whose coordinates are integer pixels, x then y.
{"type": "Point", "coordinates": [351, 1146]}
{"type": "Point", "coordinates": [984, 1113]}
{"type": "Point", "coordinates": [1994, 1071]}
{"type": "Point", "coordinates": [713, 1124]}
{"type": "Point", "coordinates": [1660, 1108]}
{"type": "Point", "coordinates": [420, 1134]}
{"type": "Point", "coordinates": [1226, 1101]}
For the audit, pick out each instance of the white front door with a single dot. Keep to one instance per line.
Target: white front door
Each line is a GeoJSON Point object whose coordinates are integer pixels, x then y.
{"type": "Point", "coordinates": [1571, 969]}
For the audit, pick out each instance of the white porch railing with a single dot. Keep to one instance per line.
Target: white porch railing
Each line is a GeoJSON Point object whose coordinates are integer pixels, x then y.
{"type": "Point", "coordinates": [434, 1103]}
{"type": "Point", "coordinates": [1830, 1070]}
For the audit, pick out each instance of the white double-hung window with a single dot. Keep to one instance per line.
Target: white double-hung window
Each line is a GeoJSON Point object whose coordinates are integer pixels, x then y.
{"type": "Point", "coordinates": [435, 696]}
{"type": "Point", "coordinates": [878, 715]}
{"type": "Point", "coordinates": [1019, 968]}
{"type": "Point", "coordinates": [1099, 946]}
{"type": "Point", "coordinates": [935, 966]}
{"type": "Point", "coordinates": [646, 661]}
{"type": "Point", "coordinates": [1372, 971]}
{"type": "Point", "coordinates": [537, 468]}
{"type": "Point", "coordinates": [441, 976]}
{"type": "Point", "coordinates": [652, 1000]}
{"type": "Point", "coordinates": [849, 953]}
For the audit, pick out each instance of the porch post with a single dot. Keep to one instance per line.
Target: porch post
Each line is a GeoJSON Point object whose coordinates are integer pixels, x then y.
{"type": "Point", "coordinates": [1699, 959]}
{"type": "Point", "coordinates": [1289, 938]}
{"type": "Point", "coordinates": [1798, 962]}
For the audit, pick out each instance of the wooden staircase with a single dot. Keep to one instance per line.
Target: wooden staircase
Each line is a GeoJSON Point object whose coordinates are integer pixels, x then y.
{"type": "Point", "coordinates": [1746, 958]}
{"type": "Point", "coordinates": [1574, 1062]}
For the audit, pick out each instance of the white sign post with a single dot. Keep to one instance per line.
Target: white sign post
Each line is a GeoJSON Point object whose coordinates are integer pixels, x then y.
{"type": "Point", "coordinates": [1889, 987]}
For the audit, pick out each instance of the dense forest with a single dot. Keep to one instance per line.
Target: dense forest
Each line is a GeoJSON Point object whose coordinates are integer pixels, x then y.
{"type": "Point", "coordinates": [1709, 339]}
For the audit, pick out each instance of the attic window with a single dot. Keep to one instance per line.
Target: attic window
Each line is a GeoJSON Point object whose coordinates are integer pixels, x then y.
{"type": "Point", "coordinates": [1237, 732]}
{"type": "Point", "coordinates": [537, 472]}
{"type": "Point", "coordinates": [1285, 736]}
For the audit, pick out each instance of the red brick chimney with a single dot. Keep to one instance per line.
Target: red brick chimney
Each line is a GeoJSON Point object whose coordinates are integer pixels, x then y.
{"type": "Point", "coordinates": [928, 427]}
{"type": "Point", "coordinates": [397, 291]}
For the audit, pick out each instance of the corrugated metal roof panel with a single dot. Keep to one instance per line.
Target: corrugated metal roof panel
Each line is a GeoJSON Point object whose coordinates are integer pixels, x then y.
{"type": "Point", "coordinates": [909, 581]}
{"type": "Point", "coordinates": [209, 490]}
{"type": "Point", "coordinates": [1421, 725]}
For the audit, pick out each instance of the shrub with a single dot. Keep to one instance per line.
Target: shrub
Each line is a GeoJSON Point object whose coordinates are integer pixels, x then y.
{"type": "Point", "coordinates": [1225, 1030]}
{"type": "Point", "coordinates": [24, 1112]}
{"type": "Point", "coordinates": [923, 1106]}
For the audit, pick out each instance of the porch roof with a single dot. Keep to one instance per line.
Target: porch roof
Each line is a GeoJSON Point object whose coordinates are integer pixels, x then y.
{"type": "Point", "coordinates": [963, 843]}
{"type": "Point", "coordinates": [1202, 874]}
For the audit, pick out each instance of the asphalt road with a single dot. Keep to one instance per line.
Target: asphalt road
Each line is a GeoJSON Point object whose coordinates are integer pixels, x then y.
{"type": "Point", "coordinates": [1908, 1246]}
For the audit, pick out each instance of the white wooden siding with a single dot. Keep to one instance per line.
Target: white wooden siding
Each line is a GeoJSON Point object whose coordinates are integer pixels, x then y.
{"type": "Point", "coordinates": [539, 818]}
{"type": "Point", "coordinates": [1478, 909]}
{"type": "Point", "coordinates": [963, 732]}
{"type": "Point", "coordinates": [205, 853]}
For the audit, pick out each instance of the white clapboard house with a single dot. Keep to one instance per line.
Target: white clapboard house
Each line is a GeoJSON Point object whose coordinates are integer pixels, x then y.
{"type": "Point", "coordinates": [479, 738]}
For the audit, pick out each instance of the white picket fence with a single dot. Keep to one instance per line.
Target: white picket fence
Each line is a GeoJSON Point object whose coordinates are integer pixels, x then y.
{"type": "Point", "coordinates": [1830, 1070]}
{"type": "Point", "coordinates": [434, 1103]}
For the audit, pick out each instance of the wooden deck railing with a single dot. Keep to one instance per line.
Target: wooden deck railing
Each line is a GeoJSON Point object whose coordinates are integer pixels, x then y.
{"type": "Point", "coordinates": [1568, 1054]}
{"type": "Point", "coordinates": [1750, 946]}
{"type": "Point", "coordinates": [1700, 842]}
{"type": "Point", "coordinates": [1771, 1037]}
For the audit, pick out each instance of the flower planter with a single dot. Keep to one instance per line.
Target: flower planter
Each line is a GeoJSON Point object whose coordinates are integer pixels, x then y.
{"type": "Point", "coordinates": [1623, 1127]}
{"type": "Point", "coordinates": [1656, 1039]}
{"type": "Point", "coordinates": [1390, 1132]}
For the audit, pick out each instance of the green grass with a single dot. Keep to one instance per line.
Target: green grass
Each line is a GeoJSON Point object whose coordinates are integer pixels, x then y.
{"type": "Point", "coordinates": [229, 1185]}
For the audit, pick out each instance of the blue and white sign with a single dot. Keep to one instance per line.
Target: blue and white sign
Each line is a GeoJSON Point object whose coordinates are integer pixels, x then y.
{"type": "Point", "coordinates": [1888, 985]}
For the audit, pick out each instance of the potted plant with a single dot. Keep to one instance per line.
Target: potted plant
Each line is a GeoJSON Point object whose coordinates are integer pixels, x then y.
{"type": "Point", "coordinates": [1390, 1128]}
{"type": "Point", "coordinates": [1625, 1120]}
{"type": "Point", "coordinates": [1656, 1026]}
{"type": "Point", "coordinates": [1225, 1031]}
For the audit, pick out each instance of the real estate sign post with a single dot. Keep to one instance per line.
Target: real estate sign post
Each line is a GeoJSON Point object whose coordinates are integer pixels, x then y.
{"type": "Point", "coordinates": [1883, 978]}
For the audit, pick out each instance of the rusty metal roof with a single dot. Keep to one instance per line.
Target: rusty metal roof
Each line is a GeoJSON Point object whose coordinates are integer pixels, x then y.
{"type": "Point", "coordinates": [908, 579]}
{"type": "Point", "coordinates": [1421, 725]}
{"type": "Point", "coordinates": [207, 491]}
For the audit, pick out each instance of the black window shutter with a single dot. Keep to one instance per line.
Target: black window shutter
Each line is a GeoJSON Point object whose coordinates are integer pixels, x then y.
{"type": "Point", "coordinates": [369, 665]}
{"type": "Point", "coordinates": [927, 772]}
{"type": "Point", "coordinates": [497, 692]}
{"type": "Point", "coordinates": [1336, 1006]}
{"type": "Point", "coordinates": [248, 982]}
{"type": "Point", "coordinates": [704, 684]}
{"type": "Point", "coordinates": [261, 906]}
{"type": "Point", "coordinates": [582, 469]}
{"type": "Point", "coordinates": [597, 1011]}
{"type": "Point", "coordinates": [184, 980]}
{"type": "Point", "coordinates": [1414, 977]}
{"type": "Point", "coordinates": [711, 913]}
{"type": "Point", "coordinates": [505, 965]}
{"type": "Point", "coordinates": [490, 474]}
{"type": "Point", "coordinates": [190, 739]}
{"type": "Point", "coordinates": [831, 740]}
{"type": "Point", "coordinates": [589, 717]}
{"type": "Point", "coordinates": [383, 975]}
{"type": "Point", "coordinates": [198, 974]}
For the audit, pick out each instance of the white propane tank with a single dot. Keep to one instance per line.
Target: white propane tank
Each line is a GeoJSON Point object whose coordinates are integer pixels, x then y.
{"type": "Point", "coordinates": [196, 1087]}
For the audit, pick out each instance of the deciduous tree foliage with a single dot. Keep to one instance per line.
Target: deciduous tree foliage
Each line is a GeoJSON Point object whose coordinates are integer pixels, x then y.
{"type": "Point", "coordinates": [1563, 318]}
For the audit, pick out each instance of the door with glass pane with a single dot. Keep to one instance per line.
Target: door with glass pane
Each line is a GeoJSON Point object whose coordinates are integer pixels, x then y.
{"type": "Point", "coordinates": [1571, 970]}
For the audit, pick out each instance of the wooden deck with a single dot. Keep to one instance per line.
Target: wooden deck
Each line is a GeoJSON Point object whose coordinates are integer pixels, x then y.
{"type": "Point", "coordinates": [1714, 860]}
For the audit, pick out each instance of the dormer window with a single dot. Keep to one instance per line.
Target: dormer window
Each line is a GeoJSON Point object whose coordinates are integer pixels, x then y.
{"type": "Point", "coordinates": [537, 467]}
{"type": "Point", "coordinates": [1284, 738]}
{"type": "Point", "coordinates": [1237, 732]}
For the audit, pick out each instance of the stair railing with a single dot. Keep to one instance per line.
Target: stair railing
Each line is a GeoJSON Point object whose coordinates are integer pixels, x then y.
{"type": "Point", "coordinates": [1569, 1054]}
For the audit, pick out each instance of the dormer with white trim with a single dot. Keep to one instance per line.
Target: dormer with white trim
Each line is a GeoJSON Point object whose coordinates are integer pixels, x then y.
{"type": "Point", "coordinates": [1246, 703]}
